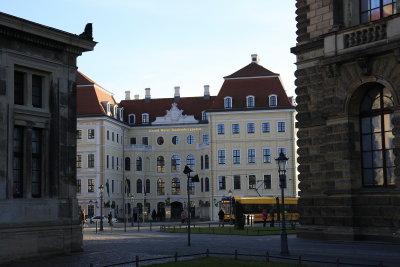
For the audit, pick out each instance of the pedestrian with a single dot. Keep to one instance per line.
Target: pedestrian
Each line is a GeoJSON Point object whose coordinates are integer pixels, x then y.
{"type": "Point", "coordinates": [183, 216]}
{"type": "Point", "coordinates": [110, 218]}
{"type": "Point", "coordinates": [221, 216]}
{"type": "Point", "coordinates": [272, 214]}
{"type": "Point", "coordinates": [82, 217]}
{"type": "Point", "coordinates": [154, 215]}
{"type": "Point", "coordinates": [264, 217]}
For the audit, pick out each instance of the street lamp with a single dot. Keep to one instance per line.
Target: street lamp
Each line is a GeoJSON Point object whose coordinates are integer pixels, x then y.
{"type": "Point", "coordinates": [230, 194]}
{"type": "Point", "coordinates": [282, 161]}
{"type": "Point", "coordinates": [101, 206]}
{"type": "Point", "coordinates": [195, 178]}
{"type": "Point", "coordinates": [132, 199]}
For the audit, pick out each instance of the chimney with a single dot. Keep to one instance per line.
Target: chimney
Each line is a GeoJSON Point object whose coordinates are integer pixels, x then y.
{"type": "Point", "coordinates": [136, 97]}
{"type": "Point", "coordinates": [206, 92]}
{"type": "Point", "coordinates": [127, 95]}
{"type": "Point", "coordinates": [147, 96]}
{"type": "Point", "coordinates": [177, 95]}
{"type": "Point", "coordinates": [254, 58]}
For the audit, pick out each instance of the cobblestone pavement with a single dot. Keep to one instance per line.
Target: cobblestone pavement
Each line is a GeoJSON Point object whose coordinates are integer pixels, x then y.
{"type": "Point", "coordinates": [116, 246]}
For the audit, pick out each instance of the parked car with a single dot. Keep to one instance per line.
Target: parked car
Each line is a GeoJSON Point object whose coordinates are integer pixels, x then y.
{"type": "Point", "coordinates": [105, 219]}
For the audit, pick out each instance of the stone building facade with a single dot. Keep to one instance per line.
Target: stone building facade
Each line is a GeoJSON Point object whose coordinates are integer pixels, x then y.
{"type": "Point", "coordinates": [348, 89]}
{"type": "Point", "coordinates": [38, 207]}
{"type": "Point", "coordinates": [229, 140]}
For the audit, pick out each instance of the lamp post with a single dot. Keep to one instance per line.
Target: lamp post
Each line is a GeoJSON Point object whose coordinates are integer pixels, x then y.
{"type": "Point", "coordinates": [101, 206]}
{"type": "Point", "coordinates": [230, 194]}
{"type": "Point", "coordinates": [132, 199]}
{"type": "Point", "coordinates": [195, 178]}
{"type": "Point", "coordinates": [282, 161]}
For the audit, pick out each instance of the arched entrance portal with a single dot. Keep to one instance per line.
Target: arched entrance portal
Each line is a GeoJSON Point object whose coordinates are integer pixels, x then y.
{"type": "Point", "coordinates": [160, 211]}
{"type": "Point", "coordinates": [176, 209]}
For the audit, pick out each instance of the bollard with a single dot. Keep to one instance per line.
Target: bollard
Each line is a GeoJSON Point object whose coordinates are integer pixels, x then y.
{"type": "Point", "coordinates": [236, 254]}
{"type": "Point", "coordinates": [207, 253]}
{"type": "Point", "coordinates": [137, 261]}
{"type": "Point", "coordinates": [96, 227]}
{"type": "Point", "coordinates": [267, 256]}
{"type": "Point", "coordinates": [176, 256]}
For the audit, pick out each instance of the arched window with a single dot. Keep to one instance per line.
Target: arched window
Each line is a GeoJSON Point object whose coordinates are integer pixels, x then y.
{"type": "Point", "coordinates": [250, 101]}
{"type": "Point", "coordinates": [201, 162]}
{"type": "Point", "coordinates": [115, 111]}
{"type": "Point", "coordinates": [176, 186]}
{"type": "Point", "coordinates": [206, 184]}
{"type": "Point", "coordinates": [376, 111]}
{"type": "Point", "coordinates": [147, 189]}
{"type": "Point", "coordinates": [139, 186]}
{"type": "Point", "coordinates": [160, 187]}
{"type": "Point", "coordinates": [131, 119]}
{"type": "Point", "coordinates": [273, 100]}
{"type": "Point", "coordinates": [139, 164]}
{"type": "Point", "coordinates": [228, 102]}
{"type": "Point", "coordinates": [160, 164]}
{"type": "Point", "coordinates": [127, 164]}
{"type": "Point", "coordinates": [190, 161]}
{"type": "Point", "coordinates": [206, 162]}
{"type": "Point", "coordinates": [175, 163]}
{"type": "Point", "coordinates": [145, 118]}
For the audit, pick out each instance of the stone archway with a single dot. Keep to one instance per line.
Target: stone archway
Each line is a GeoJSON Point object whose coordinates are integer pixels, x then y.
{"type": "Point", "coordinates": [176, 209]}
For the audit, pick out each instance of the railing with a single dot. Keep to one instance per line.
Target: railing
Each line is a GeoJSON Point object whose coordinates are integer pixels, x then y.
{"type": "Point", "coordinates": [267, 257]}
{"type": "Point", "coordinates": [365, 35]}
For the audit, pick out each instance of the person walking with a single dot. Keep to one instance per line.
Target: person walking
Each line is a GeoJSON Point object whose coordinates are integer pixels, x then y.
{"type": "Point", "coordinates": [154, 215]}
{"type": "Point", "coordinates": [183, 216]}
{"type": "Point", "coordinates": [264, 217]}
{"type": "Point", "coordinates": [221, 216]}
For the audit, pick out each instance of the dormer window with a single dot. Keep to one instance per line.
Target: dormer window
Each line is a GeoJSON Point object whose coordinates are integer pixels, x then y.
{"type": "Point", "coordinates": [273, 100]}
{"type": "Point", "coordinates": [204, 116]}
{"type": "Point", "coordinates": [228, 102]}
{"type": "Point", "coordinates": [108, 109]}
{"type": "Point", "coordinates": [115, 111]}
{"type": "Point", "coordinates": [121, 114]}
{"type": "Point", "coordinates": [131, 119]}
{"type": "Point", "coordinates": [250, 101]}
{"type": "Point", "coordinates": [145, 118]}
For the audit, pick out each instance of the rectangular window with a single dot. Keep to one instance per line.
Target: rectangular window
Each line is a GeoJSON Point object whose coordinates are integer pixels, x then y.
{"type": "Point", "coordinates": [37, 88]}
{"type": "Point", "coordinates": [36, 162]}
{"type": "Point", "coordinates": [250, 127]}
{"type": "Point", "coordinates": [108, 161]}
{"type": "Point", "coordinates": [117, 138]}
{"type": "Point", "coordinates": [251, 155]}
{"type": "Point", "coordinates": [79, 161]}
{"type": "Point", "coordinates": [90, 133]}
{"type": "Point", "coordinates": [221, 182]}
{"type": "Point", "coordinates": [112, 186]}
{"type": "Point", "coordinates": [265, 127]}
{"type": "Point", "coordinates": [133, 140]}
{"type": "Point", "coordinates": [281, 126]}
{"type": "Point", "coordinates": [221, 157]}
{"type": "Point", "coordinates": [117, 163]}
{"type": "Point", "coordinates": [267, 155]}
{"type": "Point", "coordinates": [236, 182]}
{"type": "Point", "coordinates": [78, 186]}
{"type": "Point", "coordinates": [236, 156]}
{"type": "Point", "coordinates": [18, 161]}
{"type": "Point", "coordinates": [145, 118]}
{"type": "Point", "coordinates": [19, 87]}
{"type": "Point", "coordinates": [90, 188]}
{"type": "Point", "coordinates": [145, 141]}
{"type": "Point", "coordinates": [205, 138]}
{"type": "Point", "coordinates": [108, 135]}
{"type": "Point", "coordinates": [112, 136]}
{"type": "Point", "coordinates": [235, 128]}
{"type": "Point", "coordinates": [78, 134]}
{"type": "Point", "coordinates": [221, 128]}
{"type": "Point", "coordinates": [252, 182]}
{"type": "Point", "coordinates": [91, 161]}
{"type": "Point", "coordinates": [267, 181]}
{"type": "Point", "coordinates": [371, 10]}
{"type": "Point", "coordinates": [281, 149]}
{"type": "Point", "coordinates": [112, 162]}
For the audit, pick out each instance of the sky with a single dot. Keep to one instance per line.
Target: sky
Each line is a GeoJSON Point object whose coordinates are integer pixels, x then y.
{"type": "Point", "coordinates": [160, 44]}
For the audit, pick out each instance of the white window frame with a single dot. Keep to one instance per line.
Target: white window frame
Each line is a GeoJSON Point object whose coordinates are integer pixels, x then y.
{"type": "Point", "coordinates": [228, 102]}
{"type": "Point", "coordinates": [248, 155]}
{"type": "Point", "coordinates": [254, 127]}
{"type": "Point", "coordinates": [234, 156]}
{"type": "Point", "coordinates": [252, 103]}
{"type": "Point", "coordinates": [262, 127]}
{"type": "Point", "coordinates": [235, 130]}
{"type": "Point", "coordinates": [220, 128]}
{"type": "Point", "coordinates": [129, 119]}
{"type": "Point", "coordinates": [269, 149]}
{"type": "Point", "coordinates": [145, 118]}
{"type": "Point", "coordinates": [222, 159]}
{"type": "Point", "coordinates": [204, 116]}
{"type": "Point", "coordinates": [271, 101]}
{"type": "Point", "coordinates": [278, 128]}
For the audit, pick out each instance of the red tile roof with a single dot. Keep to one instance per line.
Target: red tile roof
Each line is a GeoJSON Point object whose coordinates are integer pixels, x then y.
{"type": "Point", "coordinates": [251, 70]}
{"type": "Point", "coordinates": [158, 107]}
{"type": "Point", "coordinates": [90, 96]}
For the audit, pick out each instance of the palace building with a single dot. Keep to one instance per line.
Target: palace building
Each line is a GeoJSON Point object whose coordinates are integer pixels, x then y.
{"type": "Point", "coordinates": [348, 91]}
{"type": "Point", "coordinates": [39, 211]}
{"type": "Point", "coordinates": [138, 148]}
